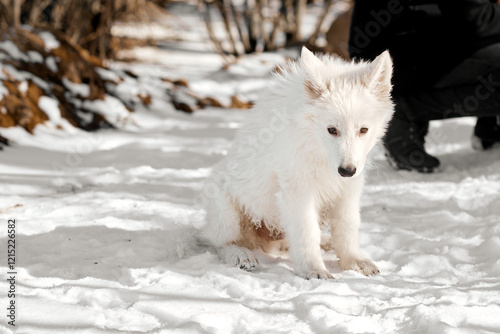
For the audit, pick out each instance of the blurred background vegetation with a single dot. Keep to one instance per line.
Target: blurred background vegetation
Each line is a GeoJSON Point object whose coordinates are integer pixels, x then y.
{"type": "Point", "coordinates": [248, 25]}
{"type": "Point", "coordinates": [83, 40]}
{"type": "Point", "coordinates": [87, 23]}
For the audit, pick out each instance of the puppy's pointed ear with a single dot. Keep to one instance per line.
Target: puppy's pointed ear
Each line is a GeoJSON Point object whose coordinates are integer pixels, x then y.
{"type": "Point", "coordinates": [311, 63]}
{"type": "Point", "coordinates": [313, 83]}
{"type": "Point", "coordinates": [380, 74]}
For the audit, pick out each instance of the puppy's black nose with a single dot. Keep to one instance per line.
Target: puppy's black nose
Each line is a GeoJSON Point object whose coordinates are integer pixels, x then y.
{"type": "Point", "coordinates": [347, 171]}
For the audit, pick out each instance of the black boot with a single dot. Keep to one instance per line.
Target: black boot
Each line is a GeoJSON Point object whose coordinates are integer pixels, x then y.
{"type": "Point", "coordinates": [404, 145]}
{"type": "Point", "coordinates": [486, 132]}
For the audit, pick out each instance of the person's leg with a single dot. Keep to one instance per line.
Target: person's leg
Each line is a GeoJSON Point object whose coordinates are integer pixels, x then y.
{"type": "Point", "coordinates": [486, 81]}
{"type": "Point", "coordinates": [486, 132]}
{"type": "Point", "coordinates": [404, 142]}
{"type": "Point", "coordinates": [480, 98]}
{"type": "Point", "coordinates": [471, 89]}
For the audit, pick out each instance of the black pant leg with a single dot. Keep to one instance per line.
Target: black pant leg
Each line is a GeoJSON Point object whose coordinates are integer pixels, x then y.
{"type": "Point", "coordinates": [471, 89]}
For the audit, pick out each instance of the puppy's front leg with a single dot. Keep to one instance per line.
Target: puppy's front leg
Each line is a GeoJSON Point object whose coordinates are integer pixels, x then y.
{"type": "Point", "coordinates": [344, 225]}
{"type": "Point", "coordinates": [299, 219]}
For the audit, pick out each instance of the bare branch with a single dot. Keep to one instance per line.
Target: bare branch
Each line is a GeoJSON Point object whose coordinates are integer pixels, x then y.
{"type": "Point", "coordinates": [241, 27]}
{"type": "Point", "coordinates": [204, 8]}
{"type": "Point", "coordinates": [225, 13]}
{"type": "Point", "coordinates": [16, 13]}
{"type": "Point", "coordinates": [300, 11]}
{"type": "Point", "coordinates": [317, 31]}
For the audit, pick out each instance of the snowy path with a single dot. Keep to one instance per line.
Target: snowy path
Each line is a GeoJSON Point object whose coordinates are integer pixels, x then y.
{"type": "Point", "coordinates": [96, 215]}
{"type": "Point", "coordinates": [97, 253]}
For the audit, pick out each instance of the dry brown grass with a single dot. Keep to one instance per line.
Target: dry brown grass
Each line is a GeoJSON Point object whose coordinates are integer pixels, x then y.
{"type": "Point", "coordinates": [87, 23]}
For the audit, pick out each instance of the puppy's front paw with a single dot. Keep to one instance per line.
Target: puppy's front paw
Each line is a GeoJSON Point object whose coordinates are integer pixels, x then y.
{"type": "Point", "coordinates": [364, 266]}
{"type": "Point", "coordinates": [247, 262]}
{"type": "Point", "coordinates": [244, 259]}
{"type": "Point", "coordinates": [239, 257]}
{"type": "Point", "coordinates": [320, 274]}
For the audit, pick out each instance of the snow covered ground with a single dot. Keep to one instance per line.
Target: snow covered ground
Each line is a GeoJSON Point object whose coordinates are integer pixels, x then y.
{"type": "Point", "coordinates": [99, 216]}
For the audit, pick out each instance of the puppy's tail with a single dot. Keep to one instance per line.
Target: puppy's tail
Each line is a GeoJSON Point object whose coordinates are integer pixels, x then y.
{"type": "Point", "coordinates": [184, 242]}
{"type": "Point", "coordinates": [181, 243]}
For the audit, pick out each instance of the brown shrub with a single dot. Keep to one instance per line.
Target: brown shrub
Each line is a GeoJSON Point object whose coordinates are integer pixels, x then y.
{"type": "Point", "coordinates": [21, 106]}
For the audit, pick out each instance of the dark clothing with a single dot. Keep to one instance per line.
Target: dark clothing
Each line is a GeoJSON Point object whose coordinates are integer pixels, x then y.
{"type": "Point", "coordinates": [426, 39]}
{"type": "Point", "coordinates": [471, 89]}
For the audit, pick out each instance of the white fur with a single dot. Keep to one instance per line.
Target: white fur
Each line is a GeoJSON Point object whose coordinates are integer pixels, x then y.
{"type": "Point", "coordinates": [283, 167]}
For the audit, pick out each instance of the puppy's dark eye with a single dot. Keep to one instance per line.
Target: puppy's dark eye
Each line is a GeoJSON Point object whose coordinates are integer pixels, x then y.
{"type": "Point", "coordinates": [333, 131]}
{"type": "Point", "coordinates": [362, 131]}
